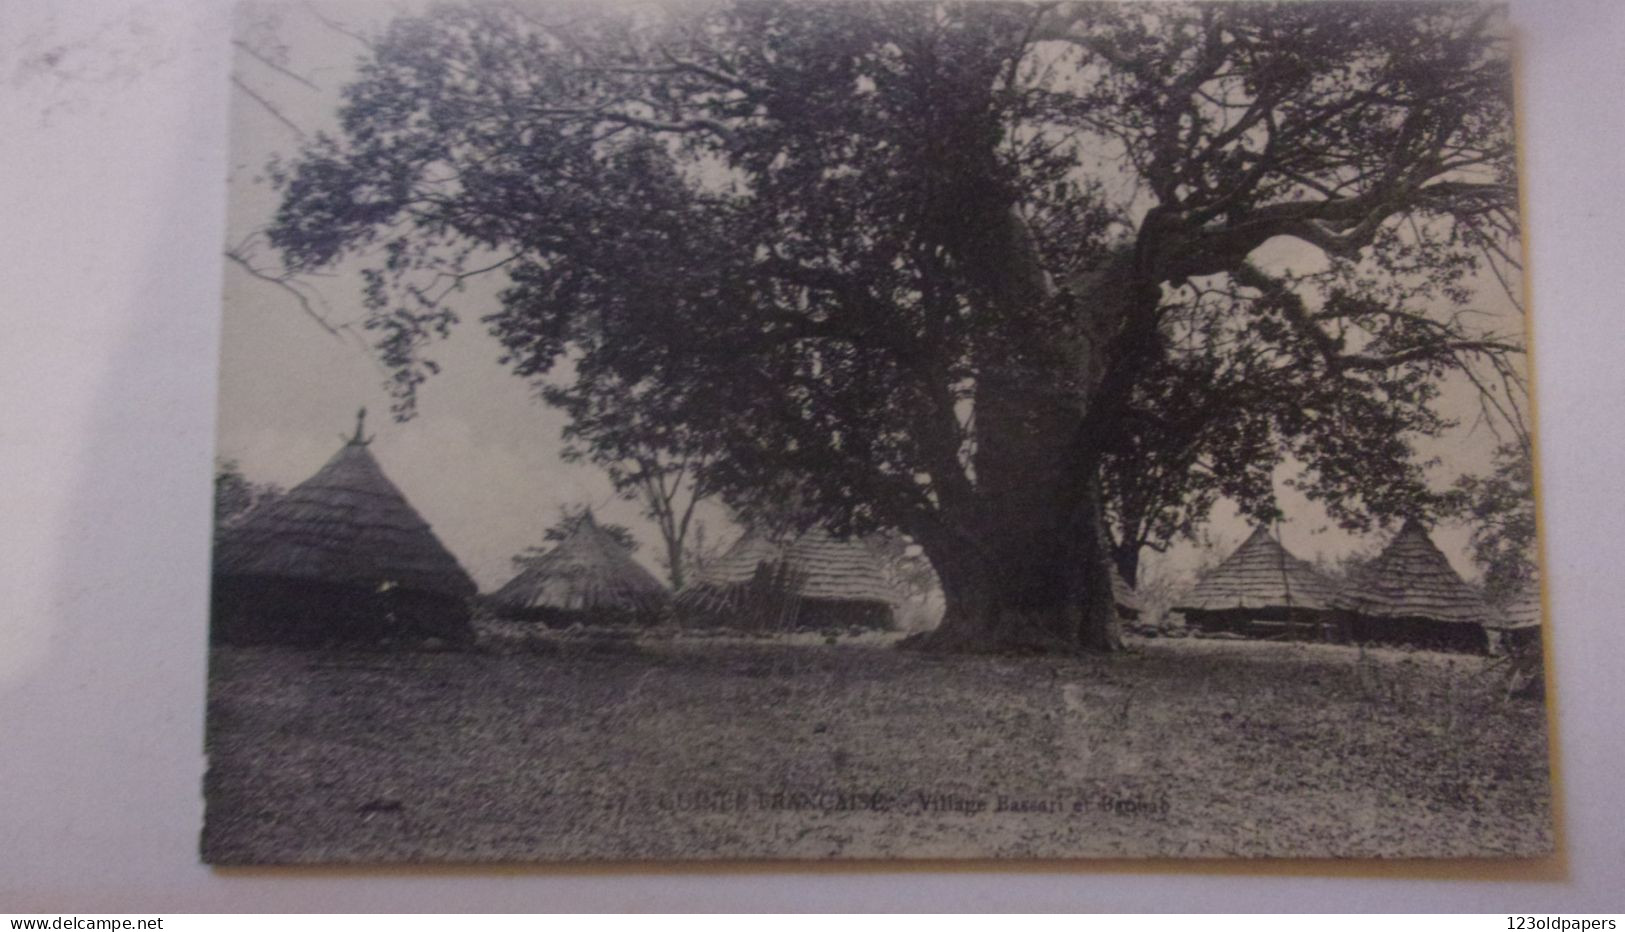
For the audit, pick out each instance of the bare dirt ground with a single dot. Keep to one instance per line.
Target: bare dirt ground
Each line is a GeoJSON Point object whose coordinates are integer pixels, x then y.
{"type": "Point", "coordinates": [552, 749]}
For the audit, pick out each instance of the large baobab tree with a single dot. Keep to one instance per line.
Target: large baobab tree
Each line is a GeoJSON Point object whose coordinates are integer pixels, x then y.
{"type": "Point", "coordinates": [940, 266]}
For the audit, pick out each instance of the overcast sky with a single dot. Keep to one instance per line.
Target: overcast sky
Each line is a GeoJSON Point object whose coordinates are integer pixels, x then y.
{"type": "Point", "coordinates": [480, 460]}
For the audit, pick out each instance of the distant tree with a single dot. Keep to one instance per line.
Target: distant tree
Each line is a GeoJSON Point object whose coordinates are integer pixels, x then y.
{"type": "Point", "coordinates": [1501, 510]}
{"type": "Point", "coordinates": [1158, 589]}
{"type": "Point", "coordinates": [942, 266]}
{"type": "Point", "coordinates": [660, 464]}
{"type": "Point", "coordinates": [1347, 565]}
{"type": "Point", "coordinates": [700, 550]}
{"type": "Point", "coordinates": [235, 495]}
{"type": "Point", "coordinates": [1178, 455]}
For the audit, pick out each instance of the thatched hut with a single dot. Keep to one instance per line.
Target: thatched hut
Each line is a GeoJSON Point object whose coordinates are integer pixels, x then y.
{"type": "Point", "coordinates": [1517, 624]}
{"type": "Point", "coordinates": [1261, 590]}
{"type": "Point", "coordinates": [1514, 633]}
{"type": "Point", "coordinates": [1523, 612]}
{"type": "Point", "coordinates": [809, 580]}
{"type": "Point", "coordinates": [587, 577]}
{"type": "Point", "coordinates": [1410, 594]}
{"type": "Point", "coordinates": [342, 557]}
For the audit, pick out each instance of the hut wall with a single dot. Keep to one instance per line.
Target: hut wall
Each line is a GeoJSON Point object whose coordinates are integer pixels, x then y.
{"type": "Point", "coordinates": [301, 613]}
{"type": "Point", "coordinates": [1212, 622]}
{"type": "Point", "coordinates": [764, 607]}
{"type": "Point", "coordinates": [1420, 632]}
{"type": "Point", "coordinates": [1522, 638]}
{"type": "Point", "coordinates": [1272, 623]}
{"type": "Point", "coordinates": [592, 617]}
{"type": "Point", "coordinates": [824, 614]}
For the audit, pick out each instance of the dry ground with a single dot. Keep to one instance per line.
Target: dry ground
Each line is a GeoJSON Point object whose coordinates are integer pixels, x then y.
{"type": "Point", "coordinates": [690, 748]}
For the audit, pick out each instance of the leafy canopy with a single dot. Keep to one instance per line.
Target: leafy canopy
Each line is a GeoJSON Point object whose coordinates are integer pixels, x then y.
{"type": "Point", "coordinates": [808, 245]}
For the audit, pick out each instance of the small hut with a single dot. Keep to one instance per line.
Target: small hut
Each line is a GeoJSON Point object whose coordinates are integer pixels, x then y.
{"type": "Point", "coordinates": [1522, 612]}
{"type": "Point", "coordinates": [1410, 594]}
{"type": "Point", "coordinates": [1517, 625]}
{"type": "Point", "coordinates": [1515, 634]}
{"type": "Point", "coordinates": [342, 557]}
{"type": "Point", "coordinates": [809, 580]}
{"type": "Point", "coordinates": [587, 577]}
{"type": "Point", "coordinates": [1261, 590]}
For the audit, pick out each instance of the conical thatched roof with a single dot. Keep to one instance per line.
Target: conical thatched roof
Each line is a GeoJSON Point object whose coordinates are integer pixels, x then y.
{"type": "Point", "coordinates": [838, 569]}
{"type": "Point", "coordinates": [1522, 611]}
{"type": "Point", "coordinates": [824, 566]}
{"type": "Point", "coordinates": [737, 565]}
{"type": "Point", "coordinates": [587, 570]}
{"type": "Point", "coordinates": [834, 569]}
{"type": "Point", "coordinates": [1261, 574]}
{"type": "Point", "coordinates": [1412, 579]}
{"type": "Point", "coordinates": [347, 524]}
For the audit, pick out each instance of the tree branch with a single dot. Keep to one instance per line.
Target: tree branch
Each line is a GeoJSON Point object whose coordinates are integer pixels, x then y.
{"type": "Point", "coordinates": [269, 107]}
{"type": "Point", "coordinates": [267, 62]}
{"type": "Point", "coordinates": [299, 296]}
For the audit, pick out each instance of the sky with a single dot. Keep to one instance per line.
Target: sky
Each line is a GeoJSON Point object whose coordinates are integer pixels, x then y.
{"type": "Point", "coordinates": [480, 460]}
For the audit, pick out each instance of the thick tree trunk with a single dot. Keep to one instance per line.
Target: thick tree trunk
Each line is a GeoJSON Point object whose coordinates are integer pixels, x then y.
{"type": "Point", "coordinates": [1101, 629]}
{"type": "Point", "coordinates": [674, 563]}
{"type": "Point", "coordinates": [1030, 570]}
{"type": "Point", "coordinates": [1038, 581]}
{"type": "Point", "coordinates": [1126, 556]}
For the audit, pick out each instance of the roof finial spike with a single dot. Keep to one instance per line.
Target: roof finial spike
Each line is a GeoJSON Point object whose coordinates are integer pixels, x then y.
{"type": "Point", "coordinates": [360, 438]}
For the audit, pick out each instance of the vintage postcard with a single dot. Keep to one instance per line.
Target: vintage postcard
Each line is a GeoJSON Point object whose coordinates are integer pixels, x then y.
{"type": "Point", "coordinates": [749, 429]}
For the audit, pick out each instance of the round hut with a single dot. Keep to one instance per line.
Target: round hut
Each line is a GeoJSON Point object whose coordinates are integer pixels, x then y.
{"type": "Point", "coordinates": [1515, 634]}
{"type": "Point", "coordinates": [1517, 624]}
{"type": "Point", "coordinates": [587, 577]}
{"type": "Point", "coordinates": [1261, 590]}
{"type": "Point", "coordinates": [1521, 613]}
{"type": "Point", "coordinates": [1410, 594]}
{"type": "Point", "coordinates": [342, 557]}
{"type": "Point", "coordinates": [810, 580]}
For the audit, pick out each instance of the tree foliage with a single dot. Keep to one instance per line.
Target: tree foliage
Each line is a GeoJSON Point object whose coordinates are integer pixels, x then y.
{"type": "Point", "coordinates": [658, 463]}
{"type": "Point", "coordinates": [235, 495]}
{"type": "Point", "coordinates": [990, 274]}
{"type": "Point", "coordinates": [1501, 510]}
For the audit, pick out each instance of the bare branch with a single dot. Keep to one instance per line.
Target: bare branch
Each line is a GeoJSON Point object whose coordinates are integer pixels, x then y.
{"type": "Point", "coordinates": [269, 63]}
{"type": "Point", "coordinates": [269, 107]}
{"type": "Point", "coordinates": [336, 26]}
{"type": "Point", "coordinates": [285, 285]}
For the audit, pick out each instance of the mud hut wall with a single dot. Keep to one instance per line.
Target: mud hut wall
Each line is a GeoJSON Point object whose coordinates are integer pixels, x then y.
{"type": "Point", "coordinates": [303, 613]}
{"type": "Point", "coordinates": [1415, 631]}
{"type": "Point", "coordinates": [1270, 622]}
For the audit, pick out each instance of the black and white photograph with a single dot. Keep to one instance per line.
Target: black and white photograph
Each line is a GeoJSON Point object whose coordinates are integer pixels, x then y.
{"type": "Point", "coordinates": [775, 430]}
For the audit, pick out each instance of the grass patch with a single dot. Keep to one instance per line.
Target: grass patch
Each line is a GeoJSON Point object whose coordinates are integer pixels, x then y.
{"type": "Point", "coordinates": [670, 748]}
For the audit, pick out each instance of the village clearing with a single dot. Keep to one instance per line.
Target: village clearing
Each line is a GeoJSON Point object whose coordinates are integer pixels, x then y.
{"type": "Point", "coordinates": [550, 747]}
